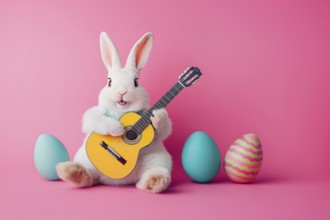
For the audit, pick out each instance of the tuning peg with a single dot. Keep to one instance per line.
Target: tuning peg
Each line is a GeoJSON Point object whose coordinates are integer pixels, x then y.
{"type": "Point", "coordinates": [184, 72]}
{"type": "Point", "coordinates": [195, 82]}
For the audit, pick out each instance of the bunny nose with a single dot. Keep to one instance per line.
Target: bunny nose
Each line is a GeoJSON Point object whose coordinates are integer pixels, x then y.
{"type": "Point", "coordinates": [121, 91]}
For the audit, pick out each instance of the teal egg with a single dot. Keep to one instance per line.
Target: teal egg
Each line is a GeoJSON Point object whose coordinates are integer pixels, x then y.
{"type": "Point", "coordinates": [201, 157]}
{"type": "Point", "coordinates": [48, 152]}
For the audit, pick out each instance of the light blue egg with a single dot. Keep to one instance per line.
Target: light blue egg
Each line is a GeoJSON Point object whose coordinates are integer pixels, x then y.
{"type": "Point", "coordinates": [48, 152]}
{"type": "Point", "coordinates": [201, 157]}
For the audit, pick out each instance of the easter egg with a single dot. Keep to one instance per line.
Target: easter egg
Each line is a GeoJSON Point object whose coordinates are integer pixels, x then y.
{"type": "Point", "coordinates": [48, 152]}
{"type": "Point", "coordinates": [243, 159]}
{"type": "Point", "coordinates": [201, 157]}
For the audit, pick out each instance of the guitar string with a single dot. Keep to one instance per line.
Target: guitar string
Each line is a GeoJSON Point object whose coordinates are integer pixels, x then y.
{"type": "Point", "coordinates": [145, 120]}
{"type": "Point", "coordinates": [162, 103]}
{"type": "Point", "coordinates": [140, 125]}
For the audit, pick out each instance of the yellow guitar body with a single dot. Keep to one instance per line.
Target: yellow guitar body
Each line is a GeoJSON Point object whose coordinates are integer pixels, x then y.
{"type": "Point", "coordinates": [116, 157]}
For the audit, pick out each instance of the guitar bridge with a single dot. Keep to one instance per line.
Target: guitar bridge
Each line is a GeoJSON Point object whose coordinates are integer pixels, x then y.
{"type": "Point", "coordinates": [113, 153]}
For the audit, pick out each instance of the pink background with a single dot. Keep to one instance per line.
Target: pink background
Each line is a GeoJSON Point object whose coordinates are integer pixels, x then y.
{"type": "Point", "coordinates": [266, 70]}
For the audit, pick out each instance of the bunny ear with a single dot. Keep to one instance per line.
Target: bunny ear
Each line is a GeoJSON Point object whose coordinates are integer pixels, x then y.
{"type": "Point", "coordinates": [140, 52]}
{"type": "Point", "coordinates": [109, 52]}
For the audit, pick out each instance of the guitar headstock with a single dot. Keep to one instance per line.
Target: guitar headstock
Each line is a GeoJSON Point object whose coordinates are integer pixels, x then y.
{"type": "Point", "coordinates": [189, 76]}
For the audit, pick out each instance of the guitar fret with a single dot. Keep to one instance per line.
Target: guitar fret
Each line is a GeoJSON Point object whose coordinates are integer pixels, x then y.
{"type": "Point", "coordinates": [162, 103]}
{"type": "Point", "coordinates": [144, 121]}
{"type": "Point", "coordinates": [169, 99]}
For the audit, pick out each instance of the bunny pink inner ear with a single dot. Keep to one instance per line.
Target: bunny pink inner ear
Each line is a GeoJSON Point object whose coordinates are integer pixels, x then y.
{"type": "Point", "coordinates": [139, 54]}
{"type": "Point", "coordinates": [140, 51]}
{"type": "Point", "coordinates": [109, 52]}
{"type": "Point", "coordinates": [108, 58]}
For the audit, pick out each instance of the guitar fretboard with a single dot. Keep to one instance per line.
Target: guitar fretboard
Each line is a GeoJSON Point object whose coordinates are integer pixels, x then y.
{"type": "Point", "coordinates": [144, 121]}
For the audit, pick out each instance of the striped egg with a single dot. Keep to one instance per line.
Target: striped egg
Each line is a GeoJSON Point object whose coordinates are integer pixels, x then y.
{"type": "Point", "coordinates": [243, 159]}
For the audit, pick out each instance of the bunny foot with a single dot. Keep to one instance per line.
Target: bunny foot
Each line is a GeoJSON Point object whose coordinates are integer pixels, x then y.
{"type": "Point", "coordinates": [74, 173]}
{"type": "Point", "coordinates": [155, 180]}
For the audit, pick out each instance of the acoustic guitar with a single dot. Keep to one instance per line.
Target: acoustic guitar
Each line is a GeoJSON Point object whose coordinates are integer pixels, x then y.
{"type": "Point", "coordinates": [116, 156]}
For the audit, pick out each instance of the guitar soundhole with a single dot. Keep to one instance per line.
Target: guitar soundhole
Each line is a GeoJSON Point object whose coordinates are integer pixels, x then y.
{"type": "Point", "coordinates": [130, 136]}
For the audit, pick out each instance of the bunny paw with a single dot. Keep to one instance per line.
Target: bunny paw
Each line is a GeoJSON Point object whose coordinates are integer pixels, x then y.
{"type": "Point", "coordinates": [74, 173]}
{"type": "Point", "coordinates": [159, 118]}
{"type": "Point", "coordinates": [116, 129]}
{"type": "Point", "coordinates": [155, 180]}
{"type": "Point", "coordinates": [112, 127]}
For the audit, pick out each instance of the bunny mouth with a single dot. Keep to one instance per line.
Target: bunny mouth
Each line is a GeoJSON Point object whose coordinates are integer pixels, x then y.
{"type": "Point", "coordinates": [122, 103]}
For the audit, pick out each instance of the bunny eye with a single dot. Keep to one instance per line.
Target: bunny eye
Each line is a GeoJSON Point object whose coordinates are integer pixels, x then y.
{"type": "Point", "coordinates": [109, 82]}
{"type": "Point", "coordinates": [136, 84]}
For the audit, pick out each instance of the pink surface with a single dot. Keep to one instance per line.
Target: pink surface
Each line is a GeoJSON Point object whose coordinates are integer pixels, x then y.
{"type": "Point", "coordinates": [266, 70]}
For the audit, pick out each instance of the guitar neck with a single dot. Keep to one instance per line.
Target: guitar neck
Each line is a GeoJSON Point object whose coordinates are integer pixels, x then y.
{"type": "Point", "coordinates": [162, 103]}
{"type": "Point", "coordinates": [168, 97]}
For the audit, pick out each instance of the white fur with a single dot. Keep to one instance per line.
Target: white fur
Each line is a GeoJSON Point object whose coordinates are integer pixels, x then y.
{"type": "Point", "coordinates": [153, 170]}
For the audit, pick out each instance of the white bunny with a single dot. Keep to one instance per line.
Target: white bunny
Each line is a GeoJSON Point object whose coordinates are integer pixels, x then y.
{"type": "Point", "coordinates": [122, 94]}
